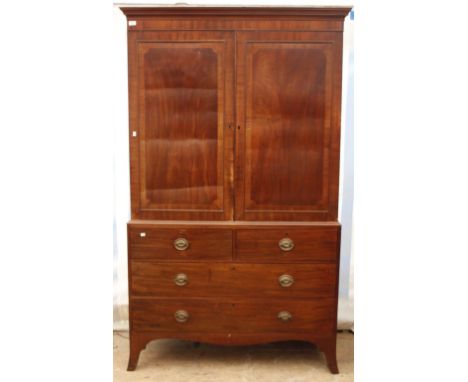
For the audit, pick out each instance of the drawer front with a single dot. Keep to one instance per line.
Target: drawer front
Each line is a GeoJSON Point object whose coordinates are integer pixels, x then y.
{"type": "Point", "coordinates": [219, 279]}
{"type": "Point", "coordinates": [207, 315]}
{"type": "Point", "coordinates": [288, 245]}
{"type": "Point", "coordinates": [179, 244]}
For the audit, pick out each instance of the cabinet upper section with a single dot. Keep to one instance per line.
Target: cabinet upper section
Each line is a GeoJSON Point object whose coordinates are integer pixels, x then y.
{"type": "Point", "coordinates": [239, 124]}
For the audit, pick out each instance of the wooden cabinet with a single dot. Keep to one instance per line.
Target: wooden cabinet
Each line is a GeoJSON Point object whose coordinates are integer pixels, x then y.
{"type": "Point", "coordinates": [234, 151]}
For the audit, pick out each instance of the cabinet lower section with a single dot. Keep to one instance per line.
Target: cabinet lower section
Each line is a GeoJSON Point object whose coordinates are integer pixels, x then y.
{"type": "Point", "coordinates": [233, 284]}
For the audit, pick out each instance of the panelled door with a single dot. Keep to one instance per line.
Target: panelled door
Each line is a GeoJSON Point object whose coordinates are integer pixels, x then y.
{"type": "Point", "coordinates": [287, 135]}
{"type": "Point", "coordinates": [282, 162]}
{"type": "Point", "coordinates": [181, 94]}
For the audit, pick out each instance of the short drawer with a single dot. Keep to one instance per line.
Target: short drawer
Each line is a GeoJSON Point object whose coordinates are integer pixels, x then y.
{"type": "Point", "coordinates": [288, 245]}
{"type": "Point", "coordinates": [179, 244]}
{"type": "Point", "coordinates": [211, 315]}
{"type": "Point", "coordinates": [236, 279]}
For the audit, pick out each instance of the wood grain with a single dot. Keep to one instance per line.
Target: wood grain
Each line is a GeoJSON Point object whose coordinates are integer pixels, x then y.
{"type": "Point", "coordinates": [231, 18]}
{"type": "Point", "coordinates": [204, 244]}
{"type": "Point", "coordinates": [236, 280]}
{"type": "Point", "coordinates": [311, 244]}
{"type": "Point", "coordinates": [241, 315]}
{"type": "Point", "coordinates": [180, 94]}
{"type": "Point", "coordinates": [285, 159]}
{"type": "Point", "coordinates": [182, 152]}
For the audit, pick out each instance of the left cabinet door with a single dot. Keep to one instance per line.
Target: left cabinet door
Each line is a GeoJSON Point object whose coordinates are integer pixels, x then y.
{"type": "Point", "coordinates": [181, 112]}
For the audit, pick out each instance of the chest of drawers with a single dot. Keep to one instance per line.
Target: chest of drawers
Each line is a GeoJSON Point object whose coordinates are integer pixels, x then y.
{"type": "Point", "coordinates": [234, 151]}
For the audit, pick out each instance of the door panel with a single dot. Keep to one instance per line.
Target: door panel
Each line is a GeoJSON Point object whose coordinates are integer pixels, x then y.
{"type": "Point", "coordinates": [288, 130]}
{"type": "Point", "coordinates": [184, 86]}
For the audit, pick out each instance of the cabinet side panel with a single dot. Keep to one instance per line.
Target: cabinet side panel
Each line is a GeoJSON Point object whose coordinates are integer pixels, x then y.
{"type": "Point", "coordinates": [133, 121]}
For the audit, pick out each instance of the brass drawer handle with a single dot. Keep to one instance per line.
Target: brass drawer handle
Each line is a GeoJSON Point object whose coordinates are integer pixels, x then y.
{"type": "Point", "coordinates": [286, 281]}
{"type": "Point", "coordinates": [181, 316]}
{"type": "Point", "coordinates": [181, 244]}
{"type": "Point", "coordinates": [286, 244]}
{"type": "Point", "coordinates": [181, 279]}
{"type": "Point", "coordinates": [284, 316]}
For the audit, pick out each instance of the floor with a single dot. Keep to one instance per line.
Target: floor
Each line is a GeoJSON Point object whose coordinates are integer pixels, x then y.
{"type": "Point", "coordinates": [181, 361]}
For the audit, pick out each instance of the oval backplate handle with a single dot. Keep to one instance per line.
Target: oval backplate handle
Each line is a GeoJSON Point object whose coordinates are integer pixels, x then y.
{"type": "Point", "coordinates": [284, 316]}
{"type": "Point", "coordinates": [181, 279]}
{"type": "Point", "coordinates": [181, 316]}
{"type": "Point", "coordinates": [181, 244]}
{"type": "Point", "coordinates": [286, 281]}
{"type": "Point", "coordinates": [286, 244]}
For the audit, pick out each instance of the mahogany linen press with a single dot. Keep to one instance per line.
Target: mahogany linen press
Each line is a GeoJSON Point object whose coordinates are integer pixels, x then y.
{"type": "Point", "coordinates": [234, 163]}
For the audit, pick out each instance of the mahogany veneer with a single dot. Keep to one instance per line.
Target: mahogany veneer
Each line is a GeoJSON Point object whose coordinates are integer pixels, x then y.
{"type": "Point", "coordinates": [231, 279]}
{"type": "Point", "coordinates": [158, 243]}
{"type": "Point", "coordinates": [241, 315]}
{"type": "Point", "coordinates": [311, 244]}
{"type": "Point", "coordinates": [234, 162]}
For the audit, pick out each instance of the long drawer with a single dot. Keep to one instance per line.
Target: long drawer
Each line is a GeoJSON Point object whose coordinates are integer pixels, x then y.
{"type": "Point", "coordinates": [179, 244]}
{"type": "Point", "coordinates": [319, 243]}
{"type": "Point", "coordinates": [150, 278]}
{"type": "Point", "coordinates": [208, 315]}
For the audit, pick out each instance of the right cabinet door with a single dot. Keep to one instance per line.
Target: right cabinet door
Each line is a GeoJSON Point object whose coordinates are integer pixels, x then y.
{"type": "Point", "coordinates": [288, 93]}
